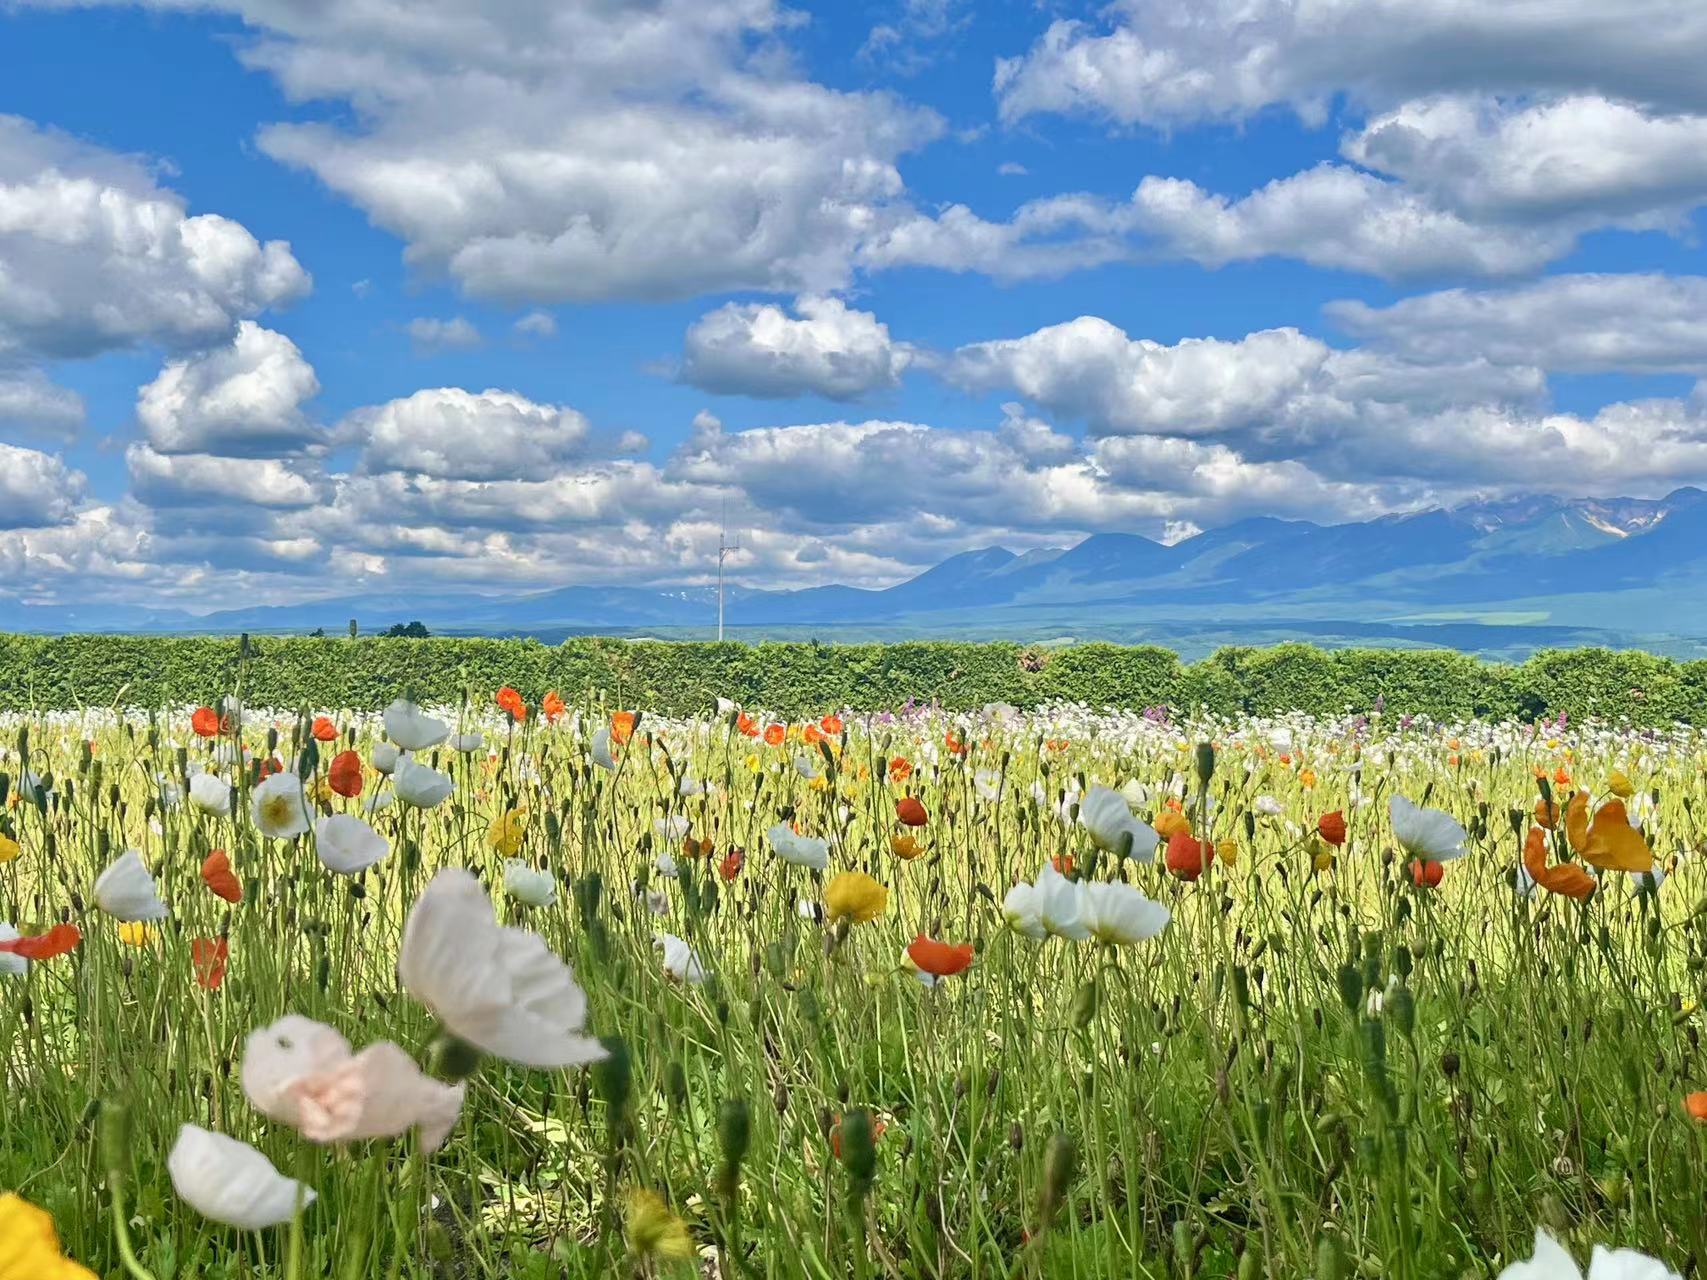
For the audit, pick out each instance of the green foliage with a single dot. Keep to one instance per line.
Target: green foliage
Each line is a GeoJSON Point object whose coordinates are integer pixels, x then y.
{"type": "Point", "coordinates": [54, 672]}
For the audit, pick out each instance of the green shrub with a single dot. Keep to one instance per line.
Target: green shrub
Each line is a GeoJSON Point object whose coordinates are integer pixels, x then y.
{"type": "Point", "coordinates": [60, 672]}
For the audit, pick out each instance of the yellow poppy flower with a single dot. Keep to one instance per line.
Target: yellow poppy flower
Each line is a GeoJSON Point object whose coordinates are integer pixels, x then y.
{"type": "Point", "coordinates": [29, 1245]}
{"type": "Point", "coordinates": [134, 933]}
{"type": "Point", "coordinates": [1609, 841]}
{"type": "Point", "coordinates": [1324, 859]}
{"type": "Point", "coordinates": [905, 847]}
{"type": "Point", "coordinates": [855, 896]}
{"type": "Point", "coordinates": [9, 849]}
{"type": "Point", "coordinates": [653, 1231]}
{"type": "Point", "coordinates": [752, 762]}
{"type": "Point", "coordinates": [1171, 821]}
{"type": "Point", "coordinates": [1619, 784]}
{"type": "Point", "coordinates": [1228, 851]}
{"type": "Point", "coordinates": [507, 832]}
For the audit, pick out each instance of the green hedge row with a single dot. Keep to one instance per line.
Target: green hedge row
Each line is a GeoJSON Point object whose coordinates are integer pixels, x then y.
{"type": "Point", "coordinates": [57, 672]}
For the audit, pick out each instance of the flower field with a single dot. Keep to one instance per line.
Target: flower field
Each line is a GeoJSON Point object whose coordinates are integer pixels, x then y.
{"type": "Point", "coordinates": [524, 989]}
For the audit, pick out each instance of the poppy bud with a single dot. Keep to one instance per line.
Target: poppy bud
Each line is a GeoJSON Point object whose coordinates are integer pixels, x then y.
{"type": "Point", "coordinates": [1058, 1165]}
{"type": "Point", "coordinates": [1351, 986]}
{"type": "Point", "coordinates": [613, 1078]}
{"type": "Point", "coordinates": [734, 1132]}
{"type": "Point", "coordinates": [858, 1149]}
{"type": "Point", "coordinates": [115, 1136]}
{"type": "Point", "coordinates": [1085, 1005]}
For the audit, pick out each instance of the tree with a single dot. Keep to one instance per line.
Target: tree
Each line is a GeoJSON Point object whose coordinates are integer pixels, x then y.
{"type": "Point", "coordinates": [411, 631]}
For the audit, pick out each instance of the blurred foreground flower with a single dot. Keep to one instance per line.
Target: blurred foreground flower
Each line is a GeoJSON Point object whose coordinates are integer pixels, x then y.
{"type": "Point", "coordinates": [1550, 1261]}
{"type": "Point", "coordinates": [231, 1182]}
{"type": "Point", "coordinates": [29, 1245]}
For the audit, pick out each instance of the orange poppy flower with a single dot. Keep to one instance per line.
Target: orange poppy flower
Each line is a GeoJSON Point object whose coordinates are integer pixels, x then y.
{"type": "Point", "coordinates": [57, 941]}
{"type": "Point", "coordinates": [909, 811]}
{"type": "Point", "coordinates": [1187, 856]}
{"type": "Point", "coordinates": [208, 956]}
{"type": "Point", "coordinates": [812, 734]}
{"type": "Point", "coordinates": [511, 703]}
{"type": "Point", "coordinates": [955, 744]}
{"type": "Point", "coordinates": [1331, 827]}
{"type": "Point", "coordinates": [701, 848]}
{"type": "Point", "coordinates": [1171, 822]}
{"type": "Point", "coordinates": [267, 768]}
{"type": "Point", "coordinates": [775, 733]}
{"type": "Point", "coordinates": [1695, 1106]}
{"type": "Point", "coordinates": [345, 775]}
{"type": "Point", "coordinates": [746, 725]}
{"type": "Point", "coordinates": [218, 876]}
{"type": "Point", "coordinates": [205, 722]}
{"type": "Point", "coordinates": [622, 726]}
{"type": "Point", "coordinates": [905, 847]}
{"type": "Point", "coordinates": [1562, 776]}
{"type": "Point", "coordinates": [323, 729]}
{"type": "Point", "coordinates": [551, 706]}
{"type": "Point", "coordinates": [1425, 873]}
{"type": "Point", "coordinates": [1063, 863]}
{"type": "Point", "coordinates": [899, 770]}
{"type": "Point", "coordinates": [731, 865]}
{"type": "Point", "coordinates": [1546, 813]}
{"type": "Point", "coordinates": [939, 958]}
{"type": "Point", "coordinates": [831, 725]}
{"type": "Point", "coordinates": [1567, 878]}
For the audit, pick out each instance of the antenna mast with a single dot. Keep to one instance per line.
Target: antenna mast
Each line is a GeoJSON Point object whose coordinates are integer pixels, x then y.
{"type": "Point", "coordinates": [724, 547]}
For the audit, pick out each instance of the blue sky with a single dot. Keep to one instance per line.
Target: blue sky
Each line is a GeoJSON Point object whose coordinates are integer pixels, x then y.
{"type": "Point", "coordinates": [883, 282]}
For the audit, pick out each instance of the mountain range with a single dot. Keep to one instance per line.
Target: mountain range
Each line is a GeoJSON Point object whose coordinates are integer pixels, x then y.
{"type": "Point", "coordinates": [1498, 578]}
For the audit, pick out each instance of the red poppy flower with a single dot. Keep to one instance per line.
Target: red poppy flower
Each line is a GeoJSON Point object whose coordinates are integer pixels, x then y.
{"type": "Point", "coordinates": [831, 725]}
{"type": "Point", "coordinates": [323, 729]}
{"type": "Point", "coordinates": [939, 958]}
{"type": "Point", "coordinates": [205, 722]}
{"type": "Point", "coordinates": [731, 865]}
{"type": "Point", "coordinates": [218, 876]}
{"type": "Point", "coordinates": [268, 767]}
{"type": "Point", "coordinates": [57, 941]}
{"type": "Point", "coordinates": [746, 725]}
{"type": "Point", "coordinates": [551, 706]}
{"type": "Point", "coordinates": [511, 702]}
{"type": "Point", "coordinates": [1188, 856]}
{"type": "Point", "coordinates": [345, 775]}
{"type": "Point", "coordinates": [955, 743]}
{"type": "Point", "coordinates": [209, 956]}
{"type": "Point", "coordinates": [911, 812]}
{"type": "Point", "coordinates": [899, 769]}
{"type": "Point", "coordinates": [1425, 874]}
{"type": "Point", "coordinates": [1331, 827]}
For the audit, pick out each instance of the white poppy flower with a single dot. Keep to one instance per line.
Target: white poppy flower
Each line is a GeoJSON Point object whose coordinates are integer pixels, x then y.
{"type": "Point", "coordinates": [126, 891]}
{"type": "Point", "coordinates": [528, 884]}
{"type": "Point", "coordinates": [1061, 905]}
{"type": "Point", "coordinates": [1551, 1261]}
{"type": "Point", "coordinates": [385, 756]}
{"type": "Point", "coordinates": [378, 802]}
{"type": "Point", "coordinates": [466, 742]}
{"type": "Point", "coordinates": [665, 866]}
{"type": "Point", "coordinates": [1104, 814]}
{"type": "Point", "coordinates": [11, 965]}
{"type": "Point", "coordinates": [658, 902]}
{"type": "Point", "coordinates": [988, 784]}
{"type": "Point", "coordinates": [413, 729]}
{"type": "Point", "coordinates": [231, 1182]}
{"type": "Point", "coordinates": [1022, 909]}
{"type": "Point", "coordinates": [171, 794]}
{"type": "Point", "coordinates": [420, 785]}
{"type": "Point", "coordinates": [211, 794]}
{"type": "Point", "coordinates": [1266, 804]}
{"type": "Point", "coordinates": [679, 960]}
{"type": "Point", "coordinates": [1119, 915]}
{"type": "Point", "coordinates": [1135, 793]}
{"type": "Point", "coordinates": [278, 806]}
{"type": "Point", "coordinates": [802, 851]}
{"type": "Point", "coordinates": [303, 1073]}
{"type": "Point", "coordinates": [600, 749]}
{"type": "Point", "coordinates": [672, 828]}
{"type": "Point", "coordinates": [347, 845]}
{"type": "Point", "coordinates": [806, 765]}
{"type": "Point", "coordinates": [501, 990]}
{"type": "Point", "coordinates": [690, 786]}
{"type": "Point", "coordinates": [1429, 834]}
{"type": "Point", "coordinates": [227, 753]}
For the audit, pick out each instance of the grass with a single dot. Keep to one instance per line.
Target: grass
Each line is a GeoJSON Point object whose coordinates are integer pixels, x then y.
{"type": "Point", "coordinates": [1313, 1070]}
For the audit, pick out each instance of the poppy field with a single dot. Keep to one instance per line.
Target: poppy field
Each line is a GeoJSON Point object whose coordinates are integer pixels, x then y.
{"type": "Point", "coordinates": [527, 988]}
